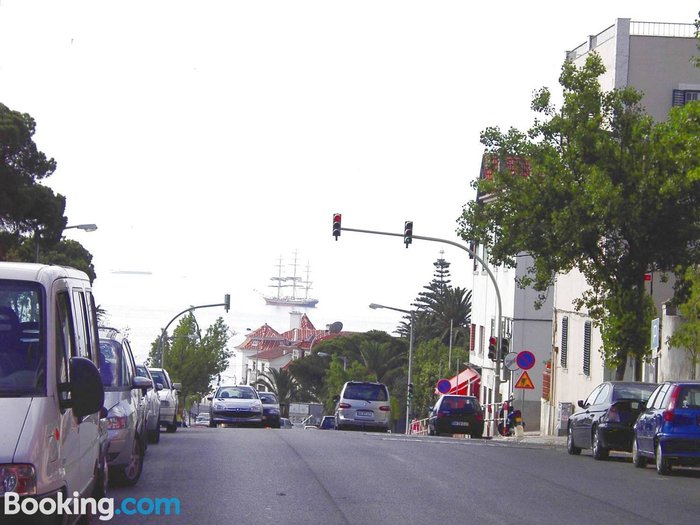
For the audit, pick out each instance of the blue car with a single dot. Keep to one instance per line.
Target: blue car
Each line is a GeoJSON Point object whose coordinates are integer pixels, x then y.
{"type": "Point", "coordinates": [668, 430]}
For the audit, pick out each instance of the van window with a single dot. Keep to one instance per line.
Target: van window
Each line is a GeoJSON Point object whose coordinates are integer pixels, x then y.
{"type": "Point", "coordinates": [65, 341]}
{"type": "Point", "coordinates": [366, 392]}
{"type": "Point", "coordinates": [81, 326]}
{"type": "Point", "coordinates": [22, 341]}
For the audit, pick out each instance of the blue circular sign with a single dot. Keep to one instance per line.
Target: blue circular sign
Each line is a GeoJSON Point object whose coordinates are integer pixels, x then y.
{"type": "Point", "coordinates": [444, 386]}
{"type": "Point", "coordinates": [525, 359]}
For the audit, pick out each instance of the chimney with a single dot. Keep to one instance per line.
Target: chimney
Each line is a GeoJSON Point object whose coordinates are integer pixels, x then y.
{"type": "Point", "coordinates": [294, 320]}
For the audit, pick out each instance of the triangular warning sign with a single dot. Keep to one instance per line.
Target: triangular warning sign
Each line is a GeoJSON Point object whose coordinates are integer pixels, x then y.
{"type": "Point", "coordinates": [525, 381]}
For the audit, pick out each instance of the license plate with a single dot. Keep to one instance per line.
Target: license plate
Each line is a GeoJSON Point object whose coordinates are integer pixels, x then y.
{"type": "Point", "coordinates": [364, 413]}
{"type": "Point", "coordinates": [460, 423]}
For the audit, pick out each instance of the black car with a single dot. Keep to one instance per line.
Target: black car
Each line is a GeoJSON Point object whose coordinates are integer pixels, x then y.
{"type": "Point", "coordinates": [606, 419]}
{"type": "Point", "coordinates": [271, 409]}
{"type": "Point", "coordinates": [453, 414]}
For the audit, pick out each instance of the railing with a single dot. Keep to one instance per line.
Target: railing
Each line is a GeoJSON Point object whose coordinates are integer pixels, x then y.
{"type": "Point", "coordinates": [662, 29]}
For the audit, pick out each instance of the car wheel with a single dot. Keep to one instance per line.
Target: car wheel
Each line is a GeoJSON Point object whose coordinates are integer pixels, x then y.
{"type": "Point", "coordinates": [599, 451]}
{"type": "Point", "coordinates": [154, 435]}
{"type": "Point", "coordinates": [662, 465]}
{"type": "Point", "coordinates": [570, 447]}
{"type": "Point", "coordinates": [171, 428]}
{"type": "Point", "coordinates": [431, 432]}
{"type": "Point", "coordinates": [212, 424]}
{"type": "Point", "coordinates": [638, 460]}
{"type": "Point", "coordinates": [101, 479]}
{"type": "Point", "coordinates": [131, 473]}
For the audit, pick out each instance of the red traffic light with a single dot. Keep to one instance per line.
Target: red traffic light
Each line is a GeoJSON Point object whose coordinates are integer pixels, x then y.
{"type": "Point", "coordinates": [336, 225]}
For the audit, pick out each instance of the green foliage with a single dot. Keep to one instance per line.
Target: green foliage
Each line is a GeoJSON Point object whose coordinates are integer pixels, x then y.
{"type": "Point", "coordinates": [429, 365]}
{"type": "Point", "coordinates": [191, 358]}
{"type": "Point", "coordinates": [605, 190]}
{"type": "Point", "coordinates": [31, 214]}
{"type": "Point", "coordinates": [687, 335]}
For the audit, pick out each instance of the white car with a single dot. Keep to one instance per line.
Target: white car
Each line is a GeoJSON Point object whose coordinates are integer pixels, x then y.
{"type": "Point", "coordinates": [236, 404]}
{"type": "Point", "coordinates": [152, 405]}
{"type": "Point", "coordinates": [168, 398]}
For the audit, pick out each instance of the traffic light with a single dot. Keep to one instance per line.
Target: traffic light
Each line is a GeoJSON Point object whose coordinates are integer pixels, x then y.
{"type": "Point", "coordinates": [227, 302]}
{"type": "Point", "coordinates": [336, 225]}
{"type": "Point", "coordinates": [410, 391]}
{"type": "Point", "coordinates": [492, 348]}
{"type": "Point", "coordinates": [505, 344]}
{"type": "Point", "coordinates": [408, 233]}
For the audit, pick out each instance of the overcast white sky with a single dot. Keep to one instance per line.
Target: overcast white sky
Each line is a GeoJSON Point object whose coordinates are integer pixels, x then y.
{"type": "Point", "coordinates": [207, 138]}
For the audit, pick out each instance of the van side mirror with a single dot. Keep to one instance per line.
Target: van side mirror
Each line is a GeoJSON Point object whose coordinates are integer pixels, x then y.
{"type": "Point", "coordinates": [141, 382]}
{"type": "Point", "coordinates": [87, 395]}
{"type": "Point", "coordinates": [177, 386]}
{"type": "Point", "coordinates": [159, 386]}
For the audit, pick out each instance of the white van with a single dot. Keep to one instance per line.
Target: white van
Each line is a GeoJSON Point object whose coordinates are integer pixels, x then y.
{"type": "Point", "coordinates": [52, 443]}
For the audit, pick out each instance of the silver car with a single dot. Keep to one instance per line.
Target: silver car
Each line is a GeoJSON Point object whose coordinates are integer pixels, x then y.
{"type": "Point", "coordinates": [236, 404]}
{"type": "Point", "coordinates": [126, 415]}
{"type": "Point", "coordinates": [152, 405]}
{"type": "Point", "coordinates": [169, 399]}
{"type": "Point", "coordinates": [363, 405]}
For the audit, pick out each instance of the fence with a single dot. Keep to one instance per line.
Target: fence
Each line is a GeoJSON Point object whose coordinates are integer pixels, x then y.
{"type": "Point", "coordinates": [494, 414]}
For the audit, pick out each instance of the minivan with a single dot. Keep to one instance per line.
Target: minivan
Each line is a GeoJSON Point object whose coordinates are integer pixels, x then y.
{"type": "Point", "coordinates": [363, 405]}
{"type": "Point", "coordinates": [52, 440]}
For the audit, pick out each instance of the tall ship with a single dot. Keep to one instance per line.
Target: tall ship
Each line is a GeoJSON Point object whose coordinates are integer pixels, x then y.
{"type": "Point", "coordinates": [299, 287]}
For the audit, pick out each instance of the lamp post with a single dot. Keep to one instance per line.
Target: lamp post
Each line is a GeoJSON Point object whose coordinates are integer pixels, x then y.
{"type": "Point", "coordinates": [84, 227]}
{"type": "Point", "coordinates": [375, 306]}
{"type": "Point", "coordinates": [345, 359]}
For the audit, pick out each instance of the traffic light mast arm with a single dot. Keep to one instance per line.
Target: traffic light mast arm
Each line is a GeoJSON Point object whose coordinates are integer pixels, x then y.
{"type": "Point", "coordinates": [497, 374]}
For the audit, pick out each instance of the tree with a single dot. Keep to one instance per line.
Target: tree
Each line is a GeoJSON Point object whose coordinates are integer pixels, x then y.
{"type": "Point", "coordinates": [596, 186]}
{"type": "Point", "coordinates": [191, 358]}
{"type": "Point", "coordinates": [31, 214]}
{"type": "Point", "coordinates": [687, 335]}
{"type": "Point", "coordinates": [282, 384]}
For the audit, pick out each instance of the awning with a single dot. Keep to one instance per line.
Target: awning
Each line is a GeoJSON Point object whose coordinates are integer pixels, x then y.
{"type": "Point", "coordinates": [466, 383]}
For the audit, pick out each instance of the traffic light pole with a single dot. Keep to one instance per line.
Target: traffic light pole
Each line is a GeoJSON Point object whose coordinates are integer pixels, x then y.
{"type": "Point", "coordinates": [497, 370]}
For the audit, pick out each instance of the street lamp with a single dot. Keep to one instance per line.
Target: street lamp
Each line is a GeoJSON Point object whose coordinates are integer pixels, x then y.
{"type": "Point", "coordinates": [375, 306]}
{"type": "Point", "coordinates": [84, 227]}
{"type": "Point", "coordinates": [345, 359]}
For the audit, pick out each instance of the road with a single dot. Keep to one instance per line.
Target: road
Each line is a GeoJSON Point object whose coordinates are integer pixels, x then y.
{"type": "Point", "coordinates": [250, 476]}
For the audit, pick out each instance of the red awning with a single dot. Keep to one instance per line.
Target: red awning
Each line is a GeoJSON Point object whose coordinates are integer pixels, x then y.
{"type": "Point", "coordinates": [466, 383]}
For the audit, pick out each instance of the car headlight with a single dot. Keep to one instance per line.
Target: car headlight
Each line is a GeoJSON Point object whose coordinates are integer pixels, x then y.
{"type": "Point", "coordinates": [219, 406]}
{"type": "Point", "coordinates": [19, 478]}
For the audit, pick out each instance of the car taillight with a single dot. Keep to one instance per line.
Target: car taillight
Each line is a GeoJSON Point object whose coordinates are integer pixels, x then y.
{"type": "Point", "coordinates": [19, 478]}
{"type": "Point", "coordinates": [116, 423]}
{"type": "Point", "coordinates": [613, 415]}
{"type": "Point", "coordinates": [442, 413]}
{"type": "Point", "coordinates": [385, 408]}
{"type": "Point", "coordinates": [668, 413]}
{"type": "Point", "coordinates": [344, 405]}
{"type": "Point", "coordinates": [479, 416]}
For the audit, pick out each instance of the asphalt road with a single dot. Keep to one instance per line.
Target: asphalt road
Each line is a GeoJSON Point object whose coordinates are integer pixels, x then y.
{"type": "Point", "coordinates": [242, 476]}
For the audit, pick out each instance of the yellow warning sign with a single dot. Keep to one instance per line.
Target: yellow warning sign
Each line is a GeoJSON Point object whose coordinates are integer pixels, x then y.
{"type": "Point", "coordinates": [525, 381]}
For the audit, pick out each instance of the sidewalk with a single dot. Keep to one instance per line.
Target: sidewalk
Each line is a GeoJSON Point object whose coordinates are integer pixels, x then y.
{"type": "Point", "coordinates": [535, 437]}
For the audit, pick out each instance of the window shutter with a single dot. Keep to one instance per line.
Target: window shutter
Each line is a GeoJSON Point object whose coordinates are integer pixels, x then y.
{"type": "Point", "coordinates": [472, 337]}
{"type": "Point", "coordinates": [564, 341]}
{"type": "Point", "coordinates": [678, 97]}
{"type": "Point", "coordinates": [587, 349]}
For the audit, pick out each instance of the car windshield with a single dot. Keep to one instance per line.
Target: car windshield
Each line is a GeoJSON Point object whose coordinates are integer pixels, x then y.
{"type": "Point", "coordinates": [235, 392]}
{"type": "Point", "coordinates": [366, 392]}
{"type": "Point", "coordinates": [639, 392]}
{"type": "Point", "coordinates": [159, 377]}
{"type": "Point", "coordinates": [142, 371]}
{"type": "Point", "coordinates": [267, 398]}
{"type": "Point", "coordinates": [111, 363]}
{"type": "Point", "coordinates": [22, 342]}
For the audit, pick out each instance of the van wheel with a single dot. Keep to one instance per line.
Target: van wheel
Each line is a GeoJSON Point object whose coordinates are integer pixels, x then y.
{"type": "Point", "coordinates": [130, 474]}
{"type": "Point", "coordinates": [172, 427]}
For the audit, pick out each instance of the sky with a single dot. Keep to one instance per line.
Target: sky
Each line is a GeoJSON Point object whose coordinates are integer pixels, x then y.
{"type": "Point", "coordinates": [207, 139]}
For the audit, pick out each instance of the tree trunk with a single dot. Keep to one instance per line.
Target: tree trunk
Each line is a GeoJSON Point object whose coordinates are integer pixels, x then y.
{"type": "Point", "coordinates": [620, 368]}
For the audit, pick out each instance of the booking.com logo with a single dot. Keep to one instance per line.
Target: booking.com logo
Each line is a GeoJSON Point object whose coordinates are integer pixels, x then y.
{"type": "Point", "coordinates": [104, 507]}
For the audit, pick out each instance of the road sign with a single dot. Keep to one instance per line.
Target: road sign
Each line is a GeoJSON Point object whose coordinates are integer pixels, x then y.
{"type": "Point", "coordinates": [525, 359]}
{"type": "Point", "coordinates": [444, 386]}
{"type": "Point", "coordinates": [510, 361]}
{"type": "Point", "coordinates": [525, 382]}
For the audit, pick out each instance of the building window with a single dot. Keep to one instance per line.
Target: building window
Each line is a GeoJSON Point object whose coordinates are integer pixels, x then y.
{"type": "Point", "coordinates": [564, 341]}
{"type": "Point", "coordinates": [587, 349]}
{"type": "Point", "coordinates": [481, 340]}
{"type": "Point", "coordinates": [682, 96]}
{"type": "Point", "coordinates": [472, 337]}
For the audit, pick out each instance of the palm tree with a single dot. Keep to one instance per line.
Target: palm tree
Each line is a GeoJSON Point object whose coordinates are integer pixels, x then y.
{"type": "Point", "coordinates": [383, 360]}
{"type": "Point", "coordinates": [282, 384]}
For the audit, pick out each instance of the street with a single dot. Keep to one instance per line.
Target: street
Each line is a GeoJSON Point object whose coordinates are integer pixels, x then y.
{"type": "Point", "coordinates": [238, 475]}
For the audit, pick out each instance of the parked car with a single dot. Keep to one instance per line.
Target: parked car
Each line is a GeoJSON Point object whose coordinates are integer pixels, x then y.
{"type": "Point", "coordinates": [53, 439]}
{"type": "Point", "coordinates": [606, 419]}
{"type": "Point", "coordinates": [168, 396]}
{"type": "Point", "coordinates": [363, 405]}
{"type": "Point", "coordinates": [152, 405]}
{"type": "Point", "coordinates": [236, 404]}
{"type": "Point", "coordinates": [668, 430]}
{"type": "Point", "coordinates": [271, 409]}
{"type": "Point", "coordinates": [126, 407]}
{"type": "Point", "coordinates": [327, 423]}
{"type": "Point", "coordinates": [453, 414]}
{"type": "Point", "coordinates": [285, 423]}
{"type": "Point", "coordinates": [202, 419]}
